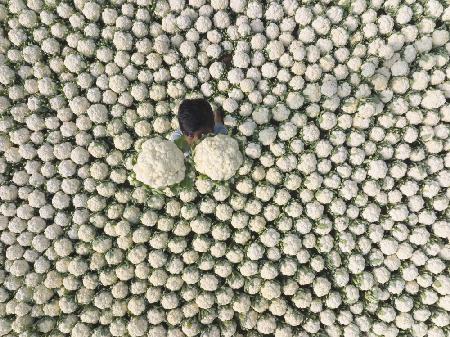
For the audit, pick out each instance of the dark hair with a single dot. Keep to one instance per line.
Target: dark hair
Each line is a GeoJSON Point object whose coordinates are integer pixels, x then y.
{"type": "Point", "coordinates": [195, 115]}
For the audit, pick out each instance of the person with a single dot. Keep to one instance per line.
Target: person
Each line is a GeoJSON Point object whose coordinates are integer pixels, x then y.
{"type": "Point", "coordinates": [196, 118]}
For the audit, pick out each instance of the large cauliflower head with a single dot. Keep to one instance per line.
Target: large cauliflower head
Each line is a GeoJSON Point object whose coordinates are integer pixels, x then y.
{"type": "Point", "coordinates": [160, 163]}
{"type": "Point", "coordinates": [218, 157]}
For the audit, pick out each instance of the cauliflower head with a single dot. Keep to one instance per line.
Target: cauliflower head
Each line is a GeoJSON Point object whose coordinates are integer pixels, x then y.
{"type": "Point", "coordinates": [160, 163]}
{"type": "Point", "coordinates": [218, 157]}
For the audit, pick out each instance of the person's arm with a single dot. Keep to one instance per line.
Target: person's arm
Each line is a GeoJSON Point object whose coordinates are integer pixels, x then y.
{"type": "Point", "coordinates": [218, 116]}
{"type": "Point", "coordinates": [219, 127]}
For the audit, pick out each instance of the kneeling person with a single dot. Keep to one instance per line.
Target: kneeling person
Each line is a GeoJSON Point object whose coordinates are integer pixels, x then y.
{"type": "Point", "coordinates": [196, 118]}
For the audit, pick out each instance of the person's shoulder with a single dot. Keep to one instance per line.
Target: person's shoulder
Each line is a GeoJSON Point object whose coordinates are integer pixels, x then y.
{"type": "Point", "coordinates": [175, 135]}
{"type": "Point", "coordinates": [219, 128]}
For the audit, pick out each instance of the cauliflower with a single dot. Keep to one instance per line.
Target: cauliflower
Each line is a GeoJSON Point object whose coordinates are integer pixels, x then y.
{"type": "Point", "coordinates": [160, 163]}
{"type": "Point", "coordinates": [433, 99]}
{"type": "Point", "coordinates": [218, 157]}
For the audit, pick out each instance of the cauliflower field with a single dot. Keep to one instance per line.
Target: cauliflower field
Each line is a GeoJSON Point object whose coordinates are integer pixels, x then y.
{"type": "Point", "coordinates": [335, 224]}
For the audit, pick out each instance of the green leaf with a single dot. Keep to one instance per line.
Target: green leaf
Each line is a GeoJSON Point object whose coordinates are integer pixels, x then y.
{"type": "Point", "coordinates": [187, 182]}
{"type": "Point", "coordinates": [182, 144]}
{"type": "Point", "coordinates": [156, 191]}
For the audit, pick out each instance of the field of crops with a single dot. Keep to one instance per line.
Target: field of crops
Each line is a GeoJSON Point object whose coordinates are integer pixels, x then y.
{"type": "Point", "coordinates": [336, 222]}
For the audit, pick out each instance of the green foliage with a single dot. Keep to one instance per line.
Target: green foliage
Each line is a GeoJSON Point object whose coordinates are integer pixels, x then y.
{"type": "Point", "coordinates": [182, 144]}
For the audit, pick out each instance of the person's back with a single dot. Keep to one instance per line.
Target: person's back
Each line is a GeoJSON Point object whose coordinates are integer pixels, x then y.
{"type": "Point", "coordinates": [196, 117]}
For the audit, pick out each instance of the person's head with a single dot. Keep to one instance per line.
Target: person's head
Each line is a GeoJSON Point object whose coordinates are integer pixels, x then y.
{"type": "Point", "coordinates": [195, 117]}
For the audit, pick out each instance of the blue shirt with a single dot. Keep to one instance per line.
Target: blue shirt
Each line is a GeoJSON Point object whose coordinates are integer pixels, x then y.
{"type": "Point", "coordinates": [219, 128]}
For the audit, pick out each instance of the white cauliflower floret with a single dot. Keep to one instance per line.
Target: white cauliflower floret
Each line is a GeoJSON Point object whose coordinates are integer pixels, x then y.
{"type": "Point", "coordinates": [160, 163]}
{"type": "Point", "coordinates": [218, 157]}
{"type": "Point", "coordinates": [377, 169]}
{"type": "Point", "coordinates": [241, 59]}
{"type": "Point", "coordinates": [433, 99]}
{"type": "Point", "coordinates": [122, 40]}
